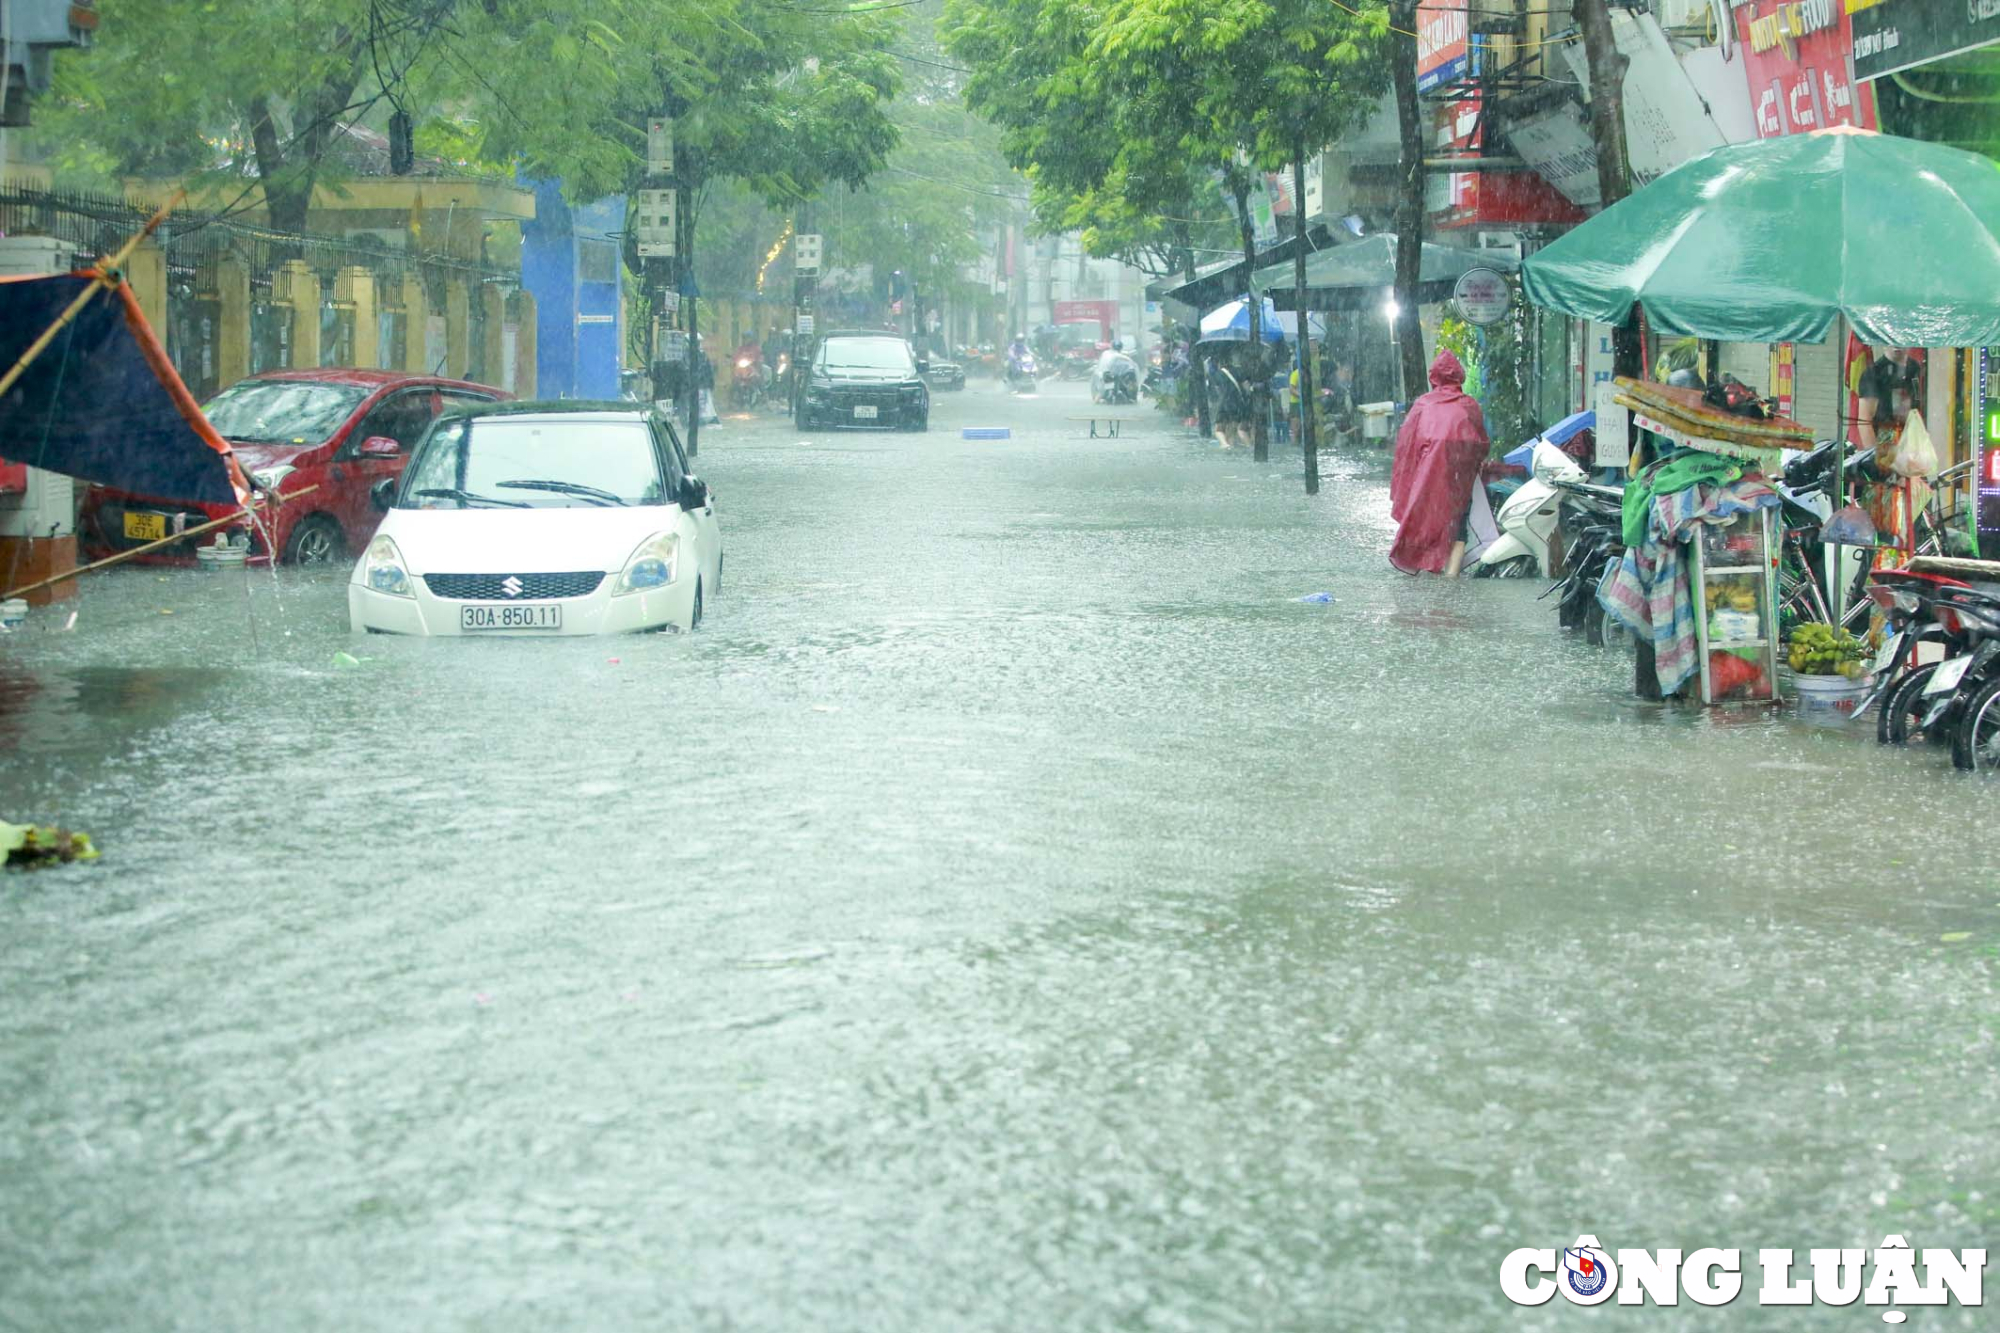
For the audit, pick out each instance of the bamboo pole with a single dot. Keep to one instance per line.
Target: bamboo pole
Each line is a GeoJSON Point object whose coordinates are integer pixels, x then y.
{"type": "Point", "coordinates": [107, 275]}
{"type": "Point", "coordinates": [123, 556]}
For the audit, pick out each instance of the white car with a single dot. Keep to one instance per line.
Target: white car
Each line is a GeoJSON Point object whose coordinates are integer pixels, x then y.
{"type": "Point", "coordinates": [541, 519]}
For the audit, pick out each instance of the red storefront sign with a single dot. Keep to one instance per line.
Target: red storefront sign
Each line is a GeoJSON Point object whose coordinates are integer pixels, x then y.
{"type": "Point", "coordinates": [1485, 198]}
{"type": "Point", "coordinates": [1799, 58]}
{"type": "Point", "coordinates": [1444, 44]}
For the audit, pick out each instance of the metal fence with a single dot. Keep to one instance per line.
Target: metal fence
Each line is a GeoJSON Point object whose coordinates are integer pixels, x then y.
{"type": "Point", "coordinates": [196, 246]}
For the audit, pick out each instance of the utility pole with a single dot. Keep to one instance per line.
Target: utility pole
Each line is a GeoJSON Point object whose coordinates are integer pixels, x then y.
{"type": "Point", "coordinates": [806, 248]}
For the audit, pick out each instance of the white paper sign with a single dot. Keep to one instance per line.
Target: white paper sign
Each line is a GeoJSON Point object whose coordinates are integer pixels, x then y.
{"type": "Point", "coordinates": [1614, 437]}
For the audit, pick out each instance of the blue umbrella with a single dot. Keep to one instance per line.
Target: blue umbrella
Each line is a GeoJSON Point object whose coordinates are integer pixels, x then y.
{"type": "Point", "coordinates": [1230, 323]}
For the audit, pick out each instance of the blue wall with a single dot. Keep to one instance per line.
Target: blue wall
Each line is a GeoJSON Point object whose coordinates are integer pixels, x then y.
{"type": "Point", "coordinates": [570, 265]}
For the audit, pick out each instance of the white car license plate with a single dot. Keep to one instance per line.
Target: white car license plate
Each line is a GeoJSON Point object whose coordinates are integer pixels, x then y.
{"type": "Point", "coordinates": [865, 412]}
{"type": "Point", "coordinates": [531, 616]}
{"type": "Point", "coordinates": [1948, 674]}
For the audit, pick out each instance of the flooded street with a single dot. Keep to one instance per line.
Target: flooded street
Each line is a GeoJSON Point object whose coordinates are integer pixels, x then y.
{"type": "Point", "coordinates": [1012, 910]}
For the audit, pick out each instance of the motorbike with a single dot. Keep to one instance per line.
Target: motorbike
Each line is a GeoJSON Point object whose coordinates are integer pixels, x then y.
{"type": "Point", "coordinates": [1593, 516]}
{"type": "Point", "coordinates": [1117, 383]}
{"type": "Point", "coordinates": [750, 383]}
{"type": "Point", "coordinates": [1956, 698]}
{"type": "Point", "coordinates": [1522, 537]}
{"type": "Point", "coordinates": [1021, 372]}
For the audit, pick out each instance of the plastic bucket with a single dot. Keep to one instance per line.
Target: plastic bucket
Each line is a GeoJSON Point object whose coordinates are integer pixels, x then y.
{"type": "Point", "coordinates": [1830, 698]}
{"type": "Point", "coordinates": [13, 613]}
{"type": "Point", "coordinates": [221, 556]}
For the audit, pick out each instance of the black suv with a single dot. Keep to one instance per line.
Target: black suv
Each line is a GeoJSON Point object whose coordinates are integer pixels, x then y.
{"type": "Point", "coordinates": [865, 379]}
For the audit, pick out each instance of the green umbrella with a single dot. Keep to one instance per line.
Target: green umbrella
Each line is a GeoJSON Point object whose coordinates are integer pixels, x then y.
{"type": "Point", "coordinates": [1768, 241]}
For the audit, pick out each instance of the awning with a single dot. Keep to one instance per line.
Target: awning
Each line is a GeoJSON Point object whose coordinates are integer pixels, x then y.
{"type": "Point", "coordinates": [1354, 277]}
{"type": "Point", "coordinates": [1770, 241]}
{"type": "Point", "coordinates": [103, 402]}
{"type": "Point", "coordinates": [1219, 282]}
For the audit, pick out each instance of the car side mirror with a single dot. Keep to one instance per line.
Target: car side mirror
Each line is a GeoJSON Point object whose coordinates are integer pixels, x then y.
{"type": "Point", "coordinates": [694, 493]}
{"type": "Point", "coordinates": [382, 493]}
{"type": "Point", "coordinates": [380, 446]}
{"type": "Point", "coordinates": [923, 365]}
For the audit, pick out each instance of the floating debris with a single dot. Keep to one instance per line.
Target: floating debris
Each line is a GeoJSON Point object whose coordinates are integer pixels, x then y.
{"type": "Point", "coordinates": [31, 846]}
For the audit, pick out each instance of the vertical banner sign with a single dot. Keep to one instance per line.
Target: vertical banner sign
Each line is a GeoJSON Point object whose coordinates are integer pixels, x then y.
{"type": "Point", "coordinates": [1799, 58]}
{"type": "Point", "coordinates": [805, 252]}
{"type": "Point", "coordinates": [1444, 44]}
{"type": "Point", "coordinates": [1784, 358]}
{"type": "Point", "coordinates": [660, 146]}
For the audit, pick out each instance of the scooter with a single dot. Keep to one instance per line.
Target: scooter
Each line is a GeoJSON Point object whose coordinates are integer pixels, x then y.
{"type": "Point", "coordinates": [1526, 521]}
{"type": "Point", "coordinates": [1118, 384]}
{"type": "Point", "coordinates": [1021, 373]}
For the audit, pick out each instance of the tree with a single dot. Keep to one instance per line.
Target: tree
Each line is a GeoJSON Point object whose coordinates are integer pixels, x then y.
{"type": "Point", "coordinates": [1271, 80]}
{"type": "Point", "coordinates": [160, 93]}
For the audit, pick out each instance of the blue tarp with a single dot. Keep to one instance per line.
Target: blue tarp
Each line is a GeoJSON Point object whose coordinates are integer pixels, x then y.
{"type": "Point", "coordinates": [1559, 434]}
{"type": "Point", "coordinates": [102, 402]}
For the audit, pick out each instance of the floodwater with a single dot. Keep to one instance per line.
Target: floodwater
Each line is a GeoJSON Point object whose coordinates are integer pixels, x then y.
{"type": "Point", "coordinates": [1012, 910]}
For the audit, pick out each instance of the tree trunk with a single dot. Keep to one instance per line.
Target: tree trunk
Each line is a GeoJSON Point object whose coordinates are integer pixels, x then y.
{"type": "Point", "coordinates": [1308, 435]}
{"type": "Point", "coordinates": [1253, 363]}
{"type": "Point", "coordinates": [1614, 181]}
{"type": "Point", "coordinates": [288, 174]}
{"type": "Point", "coordinates": [1607, 133]}
{"type": "Point", "coordinates": [1201, 412]}
{"type": "Point", "coordinates": [1409, 203]}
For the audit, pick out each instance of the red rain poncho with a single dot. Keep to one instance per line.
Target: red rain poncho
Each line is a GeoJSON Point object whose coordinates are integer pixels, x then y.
{"type": "Point", "coordinates": [1438, 453]}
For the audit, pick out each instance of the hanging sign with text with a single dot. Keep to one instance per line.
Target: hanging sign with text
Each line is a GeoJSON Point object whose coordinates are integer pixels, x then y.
{"type": "Point", "coordinates": [1482, 295]}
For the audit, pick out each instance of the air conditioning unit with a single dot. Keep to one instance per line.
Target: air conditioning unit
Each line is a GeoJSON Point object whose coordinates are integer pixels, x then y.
{"type": "Point", "coordinates": [1505, 242]}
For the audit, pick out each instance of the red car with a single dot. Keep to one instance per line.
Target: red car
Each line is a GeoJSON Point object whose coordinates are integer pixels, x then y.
{"type": "Point", "coordinates": [342, 430]}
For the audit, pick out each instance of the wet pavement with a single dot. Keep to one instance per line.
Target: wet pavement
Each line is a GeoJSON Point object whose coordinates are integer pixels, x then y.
{"type": "Point", "coordinates": [1012, 910]}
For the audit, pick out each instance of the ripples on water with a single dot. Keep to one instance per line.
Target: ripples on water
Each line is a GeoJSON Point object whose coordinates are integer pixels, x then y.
{"type": "Point", "coordinates": [1013, 910]}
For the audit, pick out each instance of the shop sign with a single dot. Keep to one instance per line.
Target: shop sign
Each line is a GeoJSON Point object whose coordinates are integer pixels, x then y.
{"type": "Point", "coordinates": [1482, 295]}
{"type": "Point", "coordinates": [1453, 198]}
{"type": "Point", "coordinates": [1444, 45]}
{"type": "Point", "coordinates": [1796, 57]}
{"type": "Point", "coordinates": [1893, 35]}
{"type": "Point", "coordinates": [1668, 119]}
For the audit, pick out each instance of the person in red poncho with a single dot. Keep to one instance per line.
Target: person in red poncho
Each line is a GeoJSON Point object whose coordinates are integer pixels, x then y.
{"type": "Point", "coordinates": [1438, 453]}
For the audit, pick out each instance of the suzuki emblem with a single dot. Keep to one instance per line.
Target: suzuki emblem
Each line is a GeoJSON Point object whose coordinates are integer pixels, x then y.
{"type": "Point", "coordinates": [511, 586]}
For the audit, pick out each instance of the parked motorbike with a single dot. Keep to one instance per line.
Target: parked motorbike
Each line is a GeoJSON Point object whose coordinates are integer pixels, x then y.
{"type": "Point", "coordinates": [1913, 607]}
{"type": "Point", "coordinates": [1527, 521]}
{"type": "Point", "coordinates": [1593, 518]}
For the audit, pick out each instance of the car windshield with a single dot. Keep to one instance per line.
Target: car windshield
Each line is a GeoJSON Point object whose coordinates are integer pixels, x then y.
{"type": "Point", "coordinates": [537, 462]}
{"type": "Point", "coordinates": [282, 411]}
{"type": "Point", "coordinates": [867, 354]}
{"type": "Point", "coordinates": [1077, 335]}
